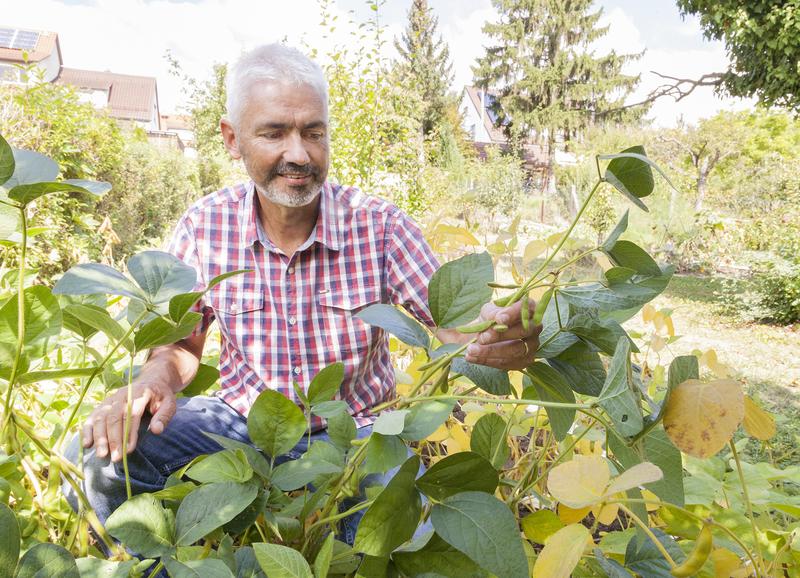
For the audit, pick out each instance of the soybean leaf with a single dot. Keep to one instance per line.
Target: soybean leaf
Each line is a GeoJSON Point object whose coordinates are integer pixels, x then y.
{"type": "Point", "coordinates": [224, 466]}
{"type": "Point", "coordinates": [254, 457]}
{"type": "Point", "coordinates": [481, 526]}
{"type": "Point", "coordinates": [460, 472]}
{"type": "Point", "coordinates": [580, 482]}
{"type": "Point", "coordinates": [384, 453]}
{"type": "Point", "coordinates": [489, 440]}
{"type": "Point", "coordinates": [345, 560]}
{"type": "Point", "coordinates": [248, 516]}
{"type": "Point", "coordinates": [602, 333]}
{"type": "Point", "coordinates": [391, 319]}
{"type": "Point", "coordinates": [246, 564]}
{"type": "Point", "coordinates": [96, 188]}
{"type": "Point", "coordinates": [554, 337]}
{"type": "Point", "coordinates": [632, 256]}
{"type": "Point", "coordinates": [376, 566]}
{"type": "Point", "coordinates": [550, 385]}
{"type": "Point", "coordinates": [322, 562]}
{"type": "Point", "coordinates": [538, 526]}
{"type": "Point", "coordinates": [55, 374]}
{"type": "Point", "coordinates": [205, 568]}
{"type": "Point", "coordinates": [275, 423]}
{"type": "Point", "coordinates": [161, 275]}
{"type": "Point", "coordinates": [459, 289]}
{"type": "Point", "coordinates": [205, 377]}
{"type": "Point", "coordinates": [329, 409]}
{"type": "Point", "coordinates": [341, 429]}
{"type": "Point", "coordinates": [31, 167]}
{"type": "Point", "coordinates": [425, 418]}
{"type": "Point", "coordinates": [438, 558]}
{"type": "Point", "coordinates": [43, 320]}
{"type": "Point", "coordinates": [610, 566]}
{"type": "Point", "coordinates": [180, 304]}
{"type": "Point", "coordinates": [24, 194]}
{"type": "Point", "coordinates": [618, 398]}
{"type": "Point", "coordinates": [9, 538]}
{"type": "Point", "coordinates": [644, 558]}
{"type": "Point", "coordinates": [209, 507]}
{"type": "Point", "coordinates": [390, 423]}
{"type": "Point", "coordinates": [296, 474]}
{"type": "Point", "coordinates": [9, 218]}
{"type": "Point", "coordinates": [99, 319]}
{"type": "Point", "coordinates": [582, 367]}
{"type": "Point", "coordinates": [655, 447]}
{"type": "Point", "coordinates": [277, 560]}
{"type": "Point", "coordinates": [6, 164]}
{"type": "Point", "coordinates": [159, 331]}
{"type": "Point", "coordinates": [562, 552]}
{"type": "Point", "coordinates": [620, 228]}
{"type": "Point", "coordinates": [682, 368]}
{"type": "Point", "coordinates": [47, 560]}
{"type": "Point", "coordinates": [618, 275]}
{"type": "Point", "coordinates": [638, 155]}
{"type": "Point", "coordinates": [99, 568]}
{"type": "Point", "coordinates": [326, 383]}
{"type": "Point", "coordinates": [92, 278]}
{"type": "Point", "coordinates": [489, 379]}
{"type": "Point", "coordinates": [630, 175]}
{"type": "Point", "coordinates": [393, 516]}
{"type": "Point", "coordinates": [632, 294]}
{"type": "Point", "coordinates": [143, 525]}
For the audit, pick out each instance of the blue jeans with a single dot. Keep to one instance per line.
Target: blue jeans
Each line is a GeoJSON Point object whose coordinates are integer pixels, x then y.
{"type": "Point", "coordinates": [158, 456]}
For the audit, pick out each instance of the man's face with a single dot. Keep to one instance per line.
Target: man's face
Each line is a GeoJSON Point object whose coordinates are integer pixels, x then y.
{"type": "Point", "coordinates": [283, 140]}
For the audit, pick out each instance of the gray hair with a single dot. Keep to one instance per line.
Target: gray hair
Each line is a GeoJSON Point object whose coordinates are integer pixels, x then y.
{"type": "Point", "coordinates": [270, 62]}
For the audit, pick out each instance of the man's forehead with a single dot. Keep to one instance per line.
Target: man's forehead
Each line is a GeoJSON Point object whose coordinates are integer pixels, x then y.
{"type": "Point", "coordinates": [274, 102]}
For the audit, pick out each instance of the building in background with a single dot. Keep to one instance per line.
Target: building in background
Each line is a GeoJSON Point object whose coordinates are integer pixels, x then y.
{"type": "Point", "coordinates": [19, 48]}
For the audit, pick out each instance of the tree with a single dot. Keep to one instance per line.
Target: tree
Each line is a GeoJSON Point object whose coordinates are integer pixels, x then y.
{"type": "Point", "coordinates": [547, 78]}
{"type": "Point", "coordinates": [762, 38]}
{"type": "Point", "coordinates": [425, 64]}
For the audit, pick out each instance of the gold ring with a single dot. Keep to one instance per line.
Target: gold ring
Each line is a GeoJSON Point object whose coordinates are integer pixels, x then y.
{"type": "Point", "coordinates": [527, 349]}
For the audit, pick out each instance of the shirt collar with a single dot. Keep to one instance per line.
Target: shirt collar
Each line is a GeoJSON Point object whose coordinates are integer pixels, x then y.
{"type": "Point", "coordinates": [327, 230]}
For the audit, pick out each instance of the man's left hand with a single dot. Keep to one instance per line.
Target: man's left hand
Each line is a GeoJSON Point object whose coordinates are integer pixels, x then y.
{"type": "Point", "coordinates": [514, 348]}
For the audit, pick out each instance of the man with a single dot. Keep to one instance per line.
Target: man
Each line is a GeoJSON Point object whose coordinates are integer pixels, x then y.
{"type": "Point", "coordinates": [316, 252]}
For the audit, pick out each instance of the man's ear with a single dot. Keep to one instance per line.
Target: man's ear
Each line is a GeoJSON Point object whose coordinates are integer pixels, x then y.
{"type": "Point", "coordinates": [229, 138]}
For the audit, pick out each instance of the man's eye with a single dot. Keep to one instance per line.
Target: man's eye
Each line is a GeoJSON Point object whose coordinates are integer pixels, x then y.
{"type": "Point", "coordinates": [315, 136]}
{"type": "Point", "coordinates": [271, 135]}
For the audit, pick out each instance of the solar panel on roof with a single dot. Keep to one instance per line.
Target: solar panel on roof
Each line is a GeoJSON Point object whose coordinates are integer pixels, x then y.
{"type": "Point", "coordinates": [25, 40]}
{"type": "Point", "coordinates": [6, 36]}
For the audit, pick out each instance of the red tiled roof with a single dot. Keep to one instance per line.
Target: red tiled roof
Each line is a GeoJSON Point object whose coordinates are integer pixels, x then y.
{"type": "Point", "coordinates": [48, 41]}
{"type": "Point", "coordinates": [129, 97]}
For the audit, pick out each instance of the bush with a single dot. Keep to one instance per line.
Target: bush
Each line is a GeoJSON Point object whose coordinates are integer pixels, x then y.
{"type": "Point", "coordinates": [778, 290]}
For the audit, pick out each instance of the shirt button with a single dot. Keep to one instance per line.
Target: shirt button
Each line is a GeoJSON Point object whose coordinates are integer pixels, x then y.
{"type": "Point", "coordinates": [297, 370]}
{"type": "Point", "coordinates": [292, 320]}
{"type": "Point", "coordinates": [234, 308]}
{"type": "Point", "coordinates": [290, 270]}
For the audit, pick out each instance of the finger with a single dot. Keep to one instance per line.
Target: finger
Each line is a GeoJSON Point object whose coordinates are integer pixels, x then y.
{"type": "Point", "coordinates": [508, 316]}
{"type": "Point", "coordinates": [137, 411]}
{"type": "Point", "coordinates": [114, 425]}
{"type": "Point", "coordinates": [87, 432]}
{"type": "Point", "coordinates": [513, 332]}
{"type": "Point", "coordinates": [511, 354]}
{"type": "Point", "coordinates": [100, 436]}
{"type": "Point", "coordinates": [163, 414]}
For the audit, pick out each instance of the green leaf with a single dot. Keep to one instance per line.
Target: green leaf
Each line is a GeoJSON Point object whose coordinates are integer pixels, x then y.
{"type": "Point", "coordinates": [481, 526]}
{"type": "Point", "coordinates": [425, 418]}
{"type": "Point", "coordinates": [298, 473]}
{"type": "Point", "coordinates": [9, 535]}
{"type": "Point", "coordinates": [9, 218]}
{"type": "Point", "coordinates": [538, 526]}
{"type": "Point", "coordinates": [611, 567]}
{"type": "Point", "coordinates": [393, 516]}
{"type": "Point", "coordinates": [682, 368]}
{"type": "Point", "coordinates": [205, 377]}
{"type": "Point", "coordinates": [656, 448]}
{"type": "Point", "coordinates": [205, 568]}
{"type": "Point", "coordinates": [390, 423]}
{"type": "Point", "coordinates": [143, 525]}
{"type": "Point", "coordinates": [24, 194]}
{"type": "Point", "coordinates": [554, 338]}
{"type": "Point", "coordinates": [621, 227]}
{"type": "Point", "coordinates": [99, 568]}
{"type": "Point", "coordinates": [489, 379]}
{"type": "Point", "coordinates": [329, 409]}
{"type": "Point", "coordinates": [342, 429]}
{"type": "Point", "coordinates": [247, 565]}
{"type": "Point", "coordinates": [632, 256]}
{"type": "Point", "coordinates": [322, 563]}
{"type": "Point", "coordinates": [326, 383]}
{"type": "Point", "coordinates": [224, 466]}
{"type": "Point", "coordinates": [633, 294]}
{"type": "Point", "coordinates": [254, 457]}
{"type": "Point", "coordinates": [43, 321]}
{"type": "Point", "coordinates": [248, 516]}
{"type": "Point", "coordinates": [550, 385]}
{"type": "Point", "coordinates": [437, 559]}
{"type": "Point", "coordinates": [45, 560]}
{"type": "Point", "coordinates": [161, 275]}
{"type": "Point", "coordinates": [180, 304]}
{"type": "Point", "coordinates": [630, 175]}
{"type": "Point", "coordinates": [31, 167]}
{"type": "Point", "coordinates": [582, 367]}
{"type": "Point", "coordinates": [391, 319]}
{"type": "Point", "coordinates": [644, 558]}
{"type": "Point", "coordinates": [96, 188]}
{"type": "Point", "coordinates": [618, 275]}
{"type": "Point", "coordinates": [209, 507]}
{"type": "Point", "coordinates": [489, 439]}
{"type": "Point", "coordinates": [459, 289]}
{"type": "Point", "coordinates": [159, 331]}
{"type": "Point", "coordinates": [277, 560]}
{"type": "Point", "coordinates": [618, 398]}
{"type": "Point", "coordinates": [6, 163]}
{"type": "Point", "coordinates": [602, 333]}
{"type": "Point", "coordinates": [275, 423]}
{"type": "Point", "coordinates": [93, 278]}
{"type": "Point", "coordinates": [384, 453]}
{"type": "Point", "coordinates": [99, 319]}
{"type": "Point", "coordinates": [460, 472]}
{"type": "Point", "coordinates": [55, 374]}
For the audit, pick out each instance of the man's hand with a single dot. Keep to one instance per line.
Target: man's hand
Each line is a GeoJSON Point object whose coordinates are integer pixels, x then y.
{"type": "Point", "coordinates": [104, 427]}
{"type": "Point", "coordinates": [514, 348]}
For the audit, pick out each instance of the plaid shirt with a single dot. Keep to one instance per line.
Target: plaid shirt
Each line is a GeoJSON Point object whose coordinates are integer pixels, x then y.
{"type": "Point", "coordinates": [294, 314]}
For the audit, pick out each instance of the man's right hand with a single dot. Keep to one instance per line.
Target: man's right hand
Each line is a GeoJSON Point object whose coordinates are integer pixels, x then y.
{"type": "Point", "coordinates": [104, 428]}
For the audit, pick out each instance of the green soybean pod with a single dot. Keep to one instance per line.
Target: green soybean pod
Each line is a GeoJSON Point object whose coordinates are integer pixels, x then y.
{"type": "Point", "coordinates": [476, 327]}
{"type": "Point", "coordinates": [525, 313]}
{"type": "Point", "coordinates": [541, 306]}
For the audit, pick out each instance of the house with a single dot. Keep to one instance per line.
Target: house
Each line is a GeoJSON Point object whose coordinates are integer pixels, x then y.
{"type": "Point", "coordinates": [132, 100]}
{"type": "Point", "coordinates": [181, 126]}
{"type": "Point", "coordinates": [20, 47]}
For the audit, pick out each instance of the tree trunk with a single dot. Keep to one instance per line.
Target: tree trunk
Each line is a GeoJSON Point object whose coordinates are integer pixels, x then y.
{"type": "Point", "coordinates": [549, 183]}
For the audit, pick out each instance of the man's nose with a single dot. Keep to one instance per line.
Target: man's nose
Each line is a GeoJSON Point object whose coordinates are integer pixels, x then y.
{"type": "Point", "coordinates": [296, 151]}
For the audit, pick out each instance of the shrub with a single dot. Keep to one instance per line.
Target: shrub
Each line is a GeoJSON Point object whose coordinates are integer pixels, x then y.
{"type": "Point", "coordinates": [778, 288]}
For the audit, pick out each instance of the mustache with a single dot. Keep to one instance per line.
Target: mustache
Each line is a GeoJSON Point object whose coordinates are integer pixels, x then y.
{"type": "Point", "coordinates": [295, 169]}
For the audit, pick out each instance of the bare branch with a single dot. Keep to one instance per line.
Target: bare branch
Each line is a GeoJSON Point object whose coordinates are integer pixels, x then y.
{"type": "Point", "coordinates": [678, 89]}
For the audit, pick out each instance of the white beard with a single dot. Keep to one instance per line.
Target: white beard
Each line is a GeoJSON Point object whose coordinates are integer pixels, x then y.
{"type": "Point", "coordinates": [301, 199]}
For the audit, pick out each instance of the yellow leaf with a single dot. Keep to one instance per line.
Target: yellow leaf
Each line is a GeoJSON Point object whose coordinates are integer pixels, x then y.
{"type": "Point", "coordinates": [580, 482]}
{"type": "Point", "coordinates": [540, 525]}
{"type": "Point", "coordinates": [700, 418]}
{"type": "Point", "coordinates": [497, 248]}
{"type": "Point", "coordinates": [670, 326]}
{"type": "Point", "coordinates": [459, 439]}
{"type": "Point", "coordinates": [515, 377]}
{"type": "Point", "coordinates": [607, 514]}
{"type": "Point", "coordinates": [651, 506]}
{"type": "Point", "coordinates": [648, 313]}
{"type": "Point", "coordinates": [571, 516]}
{"type": "Point", "coordinates": [441, 434]}
{"type": "Point", "coordinates": [725, 562]}
{"type": "Point", "coordinates": [456, 235]}
{"type": "Point", "coordinates": [554, 239]}
{"type": "Point", "coordinates": [533, 250]}
{"type": "Point", "coordinates": [757, 422]}
{"type": "Point", "coordinates": [562, 552]}
{"type": "Point", "coordinates": [658, 320]}
{"type": "Point", "coordinates": [638, 475]}
{"type": "Point", "coordinates": [657, 343]}
{"type": "Point", "coordinates": [719, 369]}
{"type": "Point", "coordinates": [472, 417]}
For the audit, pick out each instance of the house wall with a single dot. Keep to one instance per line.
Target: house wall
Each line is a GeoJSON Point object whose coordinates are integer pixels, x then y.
{"type": "Point", "coordinates": [51, 66]}
{"type": "Point", "coordinates": [473, 123]}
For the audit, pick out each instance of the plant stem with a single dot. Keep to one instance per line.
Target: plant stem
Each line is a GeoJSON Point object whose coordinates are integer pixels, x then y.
{"type": "Point", "coordinates": [749, 505]}
{"type": "Point", "coordinates": [539, 402]}
{"type": "Point", "coordinates": [340, 515]}
{"type": "Point", "coordinates": [646, 529]}
{"type": "Point", "coordinates": [126, 429]}
{"type": "Point", "coordinates": [156, 570]}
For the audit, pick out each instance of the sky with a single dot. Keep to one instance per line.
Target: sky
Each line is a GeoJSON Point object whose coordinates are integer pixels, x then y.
{"type": "Point", "coordinates": [133, 36]}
